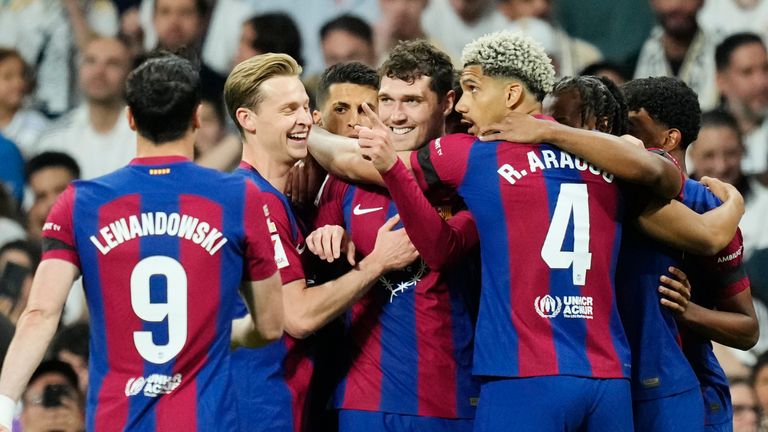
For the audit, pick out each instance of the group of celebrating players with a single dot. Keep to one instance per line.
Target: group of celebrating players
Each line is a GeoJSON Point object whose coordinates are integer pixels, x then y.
{"type": "Point", "coordinates": [603, 272]}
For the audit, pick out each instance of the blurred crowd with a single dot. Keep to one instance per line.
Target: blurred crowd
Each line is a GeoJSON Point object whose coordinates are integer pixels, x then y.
{"type": "Point", "coordinates": [63, 65]}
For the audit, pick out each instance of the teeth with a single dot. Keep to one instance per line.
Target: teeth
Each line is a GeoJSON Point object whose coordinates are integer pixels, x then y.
{"type": "Point", "coordinates": [401, 131]}
{"type": "Point", "coordinates": [298, 136]}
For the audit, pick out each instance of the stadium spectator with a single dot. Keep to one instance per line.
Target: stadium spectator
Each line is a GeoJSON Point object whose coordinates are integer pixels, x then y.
{"type": "Point", "coordinates": [10, 220]}
{"type": "Point", "coordinates": [742, 78]}
{"type": "Point", "coordinates": [678, 47]}
{"type": "Point", "coordinates": [47, 174]}
{"type": "Point", "coordinates": [759, 379]}
{"type": "Point", "coordinates": [213, 126]}
{"type": "Point", "coordinates": [52, 400]}
{"type": "Point", "coordinates": [11, 169]}
{"type": "Point", "coordinates": [50, 36]}
{"type": "Point", "coordinates": [18, 262]}
{"type": "Point", "coordinates": [610, 70]}
{"type": "Point", "coordinates": [400, 20]}
{"type": "Point", "coordinates": [70, 345]}
{"type": "Point", "coordinates": [272, 32]}
{"type": "Point", "coordinates": [347, 38]}
{"type": "Point", "coordinates": [96, 134]}
{"type": "Point", "coordinates": [451, 24]}
{"type": "Point", "coordinates": [747, 411]}
{"type": "Point", "coordinates": [726, 17]}
{"type": "Point", "coordinates": [21, 125]}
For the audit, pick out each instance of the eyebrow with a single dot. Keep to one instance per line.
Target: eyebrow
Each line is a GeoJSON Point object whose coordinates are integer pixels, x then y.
{"type": "Point", "coordinates": [341, 104]}
{"type": "Point", "coordinates": [469, 80]}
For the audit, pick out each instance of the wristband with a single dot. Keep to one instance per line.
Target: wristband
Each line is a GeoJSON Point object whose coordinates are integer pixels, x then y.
{"type": "Point", "coordinates": [7, 409]}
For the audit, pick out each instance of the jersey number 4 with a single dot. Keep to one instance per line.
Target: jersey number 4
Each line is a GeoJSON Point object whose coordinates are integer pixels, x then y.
{"type": "Point", "coordinates": [572, 199]}
{"type": "Point", "coordinates": [174, 309]}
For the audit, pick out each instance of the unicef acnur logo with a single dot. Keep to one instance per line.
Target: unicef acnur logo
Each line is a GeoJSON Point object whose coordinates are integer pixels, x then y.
{"type": "Point", "coordinates": [547, 306]}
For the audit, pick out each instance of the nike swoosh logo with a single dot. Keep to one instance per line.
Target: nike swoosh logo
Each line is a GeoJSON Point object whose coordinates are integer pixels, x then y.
{"type": "Point", "coordinates": [300, 248]}
{"type": "Point", "coordinates": [357, 211]}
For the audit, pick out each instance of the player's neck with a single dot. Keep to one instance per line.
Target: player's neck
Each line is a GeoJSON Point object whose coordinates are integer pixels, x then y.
{"type": "Point", "coordinates": [679, 156]}
{"type": "Point", "coordinates": [274, 170]}
{"type": "Point", "coordinates": [181, 147]}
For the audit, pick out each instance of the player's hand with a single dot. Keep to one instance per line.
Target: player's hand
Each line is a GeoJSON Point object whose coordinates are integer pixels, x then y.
{"type": "Point", "coordinates": [374, 142]}
{"type": "Point", "coordinates": [329, 242]}
{"type": "Point", "coordinates": [304, 181]}
{"type": "Point", "coordinates": [675, 291]}
{"type": "Point", "coordinates": [393, 249]}
{"type": "Point", "coordinates": [516, 127]}
{"type": "Point", "coordinates": [723, 191]}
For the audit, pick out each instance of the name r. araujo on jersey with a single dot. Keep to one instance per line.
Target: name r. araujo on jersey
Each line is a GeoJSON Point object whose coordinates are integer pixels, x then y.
{"type": "Point", "coordinates": [549, 159]}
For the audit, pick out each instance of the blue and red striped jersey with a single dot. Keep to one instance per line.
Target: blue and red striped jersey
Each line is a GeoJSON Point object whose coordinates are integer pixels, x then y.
{"type": "Point", "coordinates": [712, 279]}
{"type": "Point", "coordinates": [409, 339]}
{"type": "Point", "coordinates": [659, 367]}
{"type": "Point", "coordinates": [272, 382]}
{"type": "Point", "coordinates": [550, 229]}
{"type": "Point", "coordinates": [163, 245]}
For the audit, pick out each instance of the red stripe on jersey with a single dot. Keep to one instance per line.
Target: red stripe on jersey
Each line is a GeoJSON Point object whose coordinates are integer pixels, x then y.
{"type": "Point", "coordinates": [120, 320]}
{"type": "Point", "coordinates": [298, 369]}
{"type": "Point", "coordinates": [434, 338]}
{"type": "Point", "coordinates": [603, 214]}
{"type": "Point", "coordinates": [203, 299]}
{"type": "Point", "coordinates": [362, 390]}
{"type": "Point", "coordinates": [536, 345]}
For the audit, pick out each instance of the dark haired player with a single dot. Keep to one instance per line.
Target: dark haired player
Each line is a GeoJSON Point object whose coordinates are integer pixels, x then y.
{"type": "Point", "coordinates": [163, 246]}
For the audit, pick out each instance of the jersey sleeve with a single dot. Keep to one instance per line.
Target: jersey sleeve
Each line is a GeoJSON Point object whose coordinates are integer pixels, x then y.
{"type": "Point", "coordinates": [669, 157]}
{"type": "Point", "coordinates": [439, 243]}
{"type": "Point", "coordinates": [259, 260]}
{"type": "Point", "coordinates": [442, 162]}
{"type": "Point", "coordinates": [286, 252]}
{"type": "Point", "coordinates": [58, 232]}
{"type": "Point", "coordinates": [728, 268]}
{"type": "Point", "coordinates": [330, 209]}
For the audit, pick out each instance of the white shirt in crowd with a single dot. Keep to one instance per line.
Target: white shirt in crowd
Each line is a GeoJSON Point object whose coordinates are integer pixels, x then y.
{"type": "Point", "coordinates": [727, 17]}
{"type": "Point", "coordinates": [96, 153]}
{"type": "Point", "coordinates": [25, 130]}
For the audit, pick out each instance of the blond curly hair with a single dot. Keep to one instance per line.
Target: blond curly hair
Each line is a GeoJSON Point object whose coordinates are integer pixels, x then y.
{"type": "Point", "coordinates": [512, 55]}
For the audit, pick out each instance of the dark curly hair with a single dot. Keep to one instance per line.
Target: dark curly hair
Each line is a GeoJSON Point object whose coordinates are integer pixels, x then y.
{"type": "Point", "coordinates": [668, 101]}
{"type": "Point", "coordinates": [410, 60]}
{"type": "Point", "coordinates": [600, 98]}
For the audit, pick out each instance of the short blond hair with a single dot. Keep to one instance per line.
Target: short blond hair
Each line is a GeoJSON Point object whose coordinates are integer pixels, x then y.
{"type": "Point", "coordinates": [512, 55]}
{"type": "Point", "coordinates": [243, 86]}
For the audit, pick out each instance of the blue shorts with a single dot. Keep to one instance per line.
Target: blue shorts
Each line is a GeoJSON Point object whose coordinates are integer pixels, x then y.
{"type": "Point", "coordinates": [554, 403]}
{"type": "Point", "coordinates": [371, 421]}
{"type": "Point", "coordinates": [682, 412]}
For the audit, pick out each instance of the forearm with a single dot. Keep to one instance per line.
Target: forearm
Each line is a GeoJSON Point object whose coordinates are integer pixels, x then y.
{"type": "Point", "coordinates": [341, 157]}
{"type": "Point", "coordinates": [244, 334]}
{"type": "Point", "coordinates": [722, 223]}
{"type": "Point", "coordinates": [309, 309]}
{"type": "Point", "coordinates": [617, 156]}
{"type": "Point", "coordinates": [438, 242]}
{"type": "Point", "coordinates": [80, 28]}
{"type": "Point", "coordinates": [728, 328]}
{"type": "Point", "coordinates": [34, 332]}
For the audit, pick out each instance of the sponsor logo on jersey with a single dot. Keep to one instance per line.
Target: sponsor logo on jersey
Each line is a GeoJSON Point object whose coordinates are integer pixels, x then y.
{"type": "Point", "coordinates": [400, 281]}
{"type": "Point", "coordinates": [357, 211]}
{"type": "Point", "coordinates": [153, 385]}
{"type": "Point", "coordinates": [570, 306]}
{"type": "Point", "coordinates": [730, 257]}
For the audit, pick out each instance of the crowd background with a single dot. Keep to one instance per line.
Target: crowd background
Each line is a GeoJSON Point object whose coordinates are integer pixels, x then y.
{"type": "Point", "coordinates": [63, 65]}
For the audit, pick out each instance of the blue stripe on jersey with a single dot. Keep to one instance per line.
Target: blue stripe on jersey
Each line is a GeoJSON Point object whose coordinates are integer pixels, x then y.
{"type": "Point", "coordinates": [266, 186]}
{"type": "Point", "coordinates": [483, 164]}
{"type": "Point", "coordinates": [565, 332]}
{"type": "Point", "coordinates": [398, 328]}
{"type": "Point", "coordinates": [462, 282]}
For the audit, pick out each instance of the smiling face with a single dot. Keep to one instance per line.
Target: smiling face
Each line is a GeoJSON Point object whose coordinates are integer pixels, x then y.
{"type": "Point", "coordinates": [282, 120]}
{"type": "Point", "coordinates": [412, 111]}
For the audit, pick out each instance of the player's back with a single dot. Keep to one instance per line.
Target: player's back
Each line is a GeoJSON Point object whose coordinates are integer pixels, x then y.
{"type": "Point", "coordinates": [160, 244]}
{"type": "Point", "coordinates": [549, 228]}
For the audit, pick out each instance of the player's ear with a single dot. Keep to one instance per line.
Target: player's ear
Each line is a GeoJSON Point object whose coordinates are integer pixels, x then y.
{"type": "Point", "coordinates": [448, 101]}
{"type": "Point", "coordinates": [246, 118]}
{"type": "Point", "coordinates": [196, 117]}
{"type": "Point", "coordinates": [131, 120]}
{"type": "Point", "coordinates": [317, 118]}
{"type": "Point", "coordinates": [672, 139]}
{"type": "Point", "coordinates": [514, 94]}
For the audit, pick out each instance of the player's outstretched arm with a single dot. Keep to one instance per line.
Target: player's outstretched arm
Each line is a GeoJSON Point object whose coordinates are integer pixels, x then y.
{"type": "Point", "coordinates": [615, 155]}
{"type": "Point", "coordinates": [341, 156]}
{"type": "Point", "coordinates": [706, 234]}
{"type": "Point", "coordinates": [34, 331]}
{"type": "Point", "coordinates": [308, 309]}
{"type": "Point", "coordinates": [264, 323]}
{"type": "Point", "coordinates": [733, 324]}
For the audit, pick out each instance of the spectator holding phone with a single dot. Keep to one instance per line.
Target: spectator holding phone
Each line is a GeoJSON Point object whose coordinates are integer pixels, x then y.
{"type": "Point", "coordinates": [52, 401]}
{"type": "Point", "coordinates": [18, 261]}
